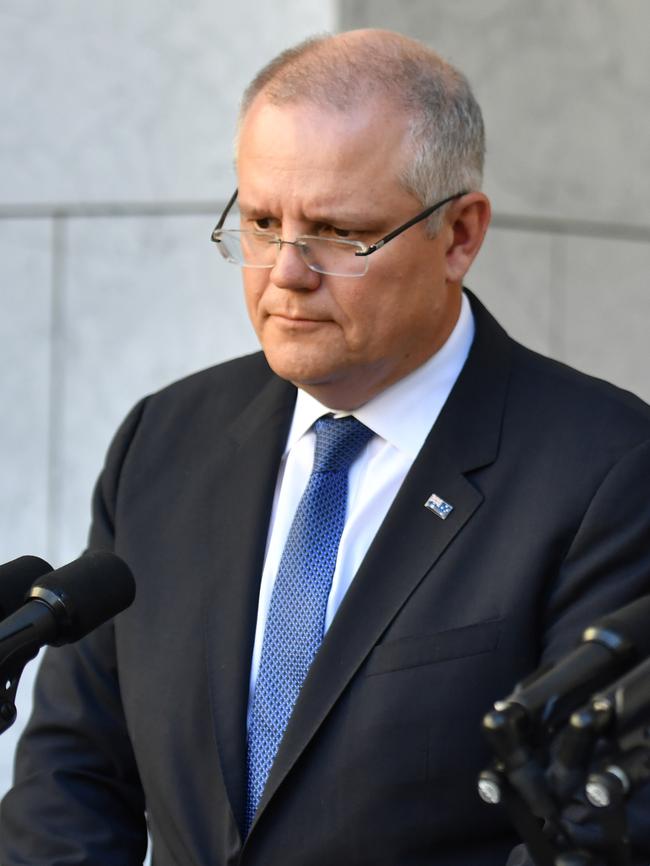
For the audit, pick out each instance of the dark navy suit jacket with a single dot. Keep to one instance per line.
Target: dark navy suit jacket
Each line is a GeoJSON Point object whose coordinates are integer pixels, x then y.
{"type": "Point", "coordinates": [547, 471]}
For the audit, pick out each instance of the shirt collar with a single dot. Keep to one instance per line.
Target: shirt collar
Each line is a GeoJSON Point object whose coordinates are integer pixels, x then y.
{"type": "Point", "coordinates": [404, 413]}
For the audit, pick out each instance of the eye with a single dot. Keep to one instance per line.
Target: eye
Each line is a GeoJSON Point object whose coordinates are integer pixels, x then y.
{"type": "Point", "coordinates": [336, 232]}
{"type": "Point", "coordinates": [258, 221]}
{"type": "Point", "coordinates": [263, 224]}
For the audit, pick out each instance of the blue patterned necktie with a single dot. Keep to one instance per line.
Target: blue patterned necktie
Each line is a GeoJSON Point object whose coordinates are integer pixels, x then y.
{"type": "Point", "coordinates": [296, 617]}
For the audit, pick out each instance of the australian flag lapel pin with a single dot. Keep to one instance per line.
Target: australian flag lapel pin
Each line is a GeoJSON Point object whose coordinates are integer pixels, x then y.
{"type": "Point", "coordinates": [439, 507]}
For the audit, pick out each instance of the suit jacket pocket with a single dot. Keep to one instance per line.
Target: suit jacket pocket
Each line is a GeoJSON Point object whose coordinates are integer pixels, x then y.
{"type": "Point", "coordinates": [411, 652]}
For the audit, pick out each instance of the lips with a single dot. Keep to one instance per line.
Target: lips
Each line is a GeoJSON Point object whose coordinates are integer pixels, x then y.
{"type": "Point", "coordinates": [292, 317]}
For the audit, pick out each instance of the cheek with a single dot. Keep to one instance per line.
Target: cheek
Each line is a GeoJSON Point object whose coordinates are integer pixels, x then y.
{"type": "Point", "coordinates": [355, 314]}
{"type": "Point", "coordinates": [253, 292]}
{"type": "Point", "coordinates": [367, 325]}
{"type": "Point", "coordinates": [375, 306]}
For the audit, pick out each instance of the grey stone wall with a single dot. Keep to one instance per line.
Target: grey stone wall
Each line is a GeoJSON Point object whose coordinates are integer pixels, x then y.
{"type": "Point", "coordinates": [115, 157]}
{"type": "Point", "coordinates": [115, 160]}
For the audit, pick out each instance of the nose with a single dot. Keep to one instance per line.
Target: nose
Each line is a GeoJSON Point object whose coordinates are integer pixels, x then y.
{"type": "Point", "coordinates": [291, 272]}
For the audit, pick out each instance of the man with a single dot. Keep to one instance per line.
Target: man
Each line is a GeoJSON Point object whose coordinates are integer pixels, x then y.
{"type": "Point", "coordinates": [493, 509]}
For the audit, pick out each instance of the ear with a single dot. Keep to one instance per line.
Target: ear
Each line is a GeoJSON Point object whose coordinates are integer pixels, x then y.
{"type": "Point", "coordinates": [466, 223]}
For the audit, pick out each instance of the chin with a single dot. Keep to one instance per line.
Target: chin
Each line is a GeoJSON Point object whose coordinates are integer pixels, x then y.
{"type": "Point", "coordinates": [300, 370]}
{"type": "Point", "coordinates": [303, 377]}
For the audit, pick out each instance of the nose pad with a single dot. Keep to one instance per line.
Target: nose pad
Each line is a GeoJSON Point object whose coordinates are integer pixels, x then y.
{"type": "Point", "coordinates": [290, 270]}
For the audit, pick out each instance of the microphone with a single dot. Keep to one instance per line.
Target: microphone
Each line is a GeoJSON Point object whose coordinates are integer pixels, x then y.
{"type": "Point", "coordinates": [520, 724]}
{"type": "Point", "coordinates": [65, 605]}
{"type": "Point", "coordinates": [608, 648]}
{"type": "Point", "coordinates": [16, 577]}
{"type": "Point", "coordinates": [620, 713]}
{"type": "Point", "coordinates": [625, 704]}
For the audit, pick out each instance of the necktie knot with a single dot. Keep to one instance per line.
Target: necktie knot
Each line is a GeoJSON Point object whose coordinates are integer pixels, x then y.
{"type": "Point", "coordinates": [338, 443]}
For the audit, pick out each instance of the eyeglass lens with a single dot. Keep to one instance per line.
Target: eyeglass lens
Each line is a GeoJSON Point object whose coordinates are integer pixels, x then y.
{"type": "Point", "coordinates": [324, 255]}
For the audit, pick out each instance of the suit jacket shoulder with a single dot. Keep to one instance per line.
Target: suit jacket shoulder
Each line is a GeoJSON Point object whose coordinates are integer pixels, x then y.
{"type": "Point", "coordinates": [562, 400]}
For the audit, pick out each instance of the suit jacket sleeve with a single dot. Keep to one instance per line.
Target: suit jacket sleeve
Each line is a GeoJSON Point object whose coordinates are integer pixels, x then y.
{"type": "Point", "coordinates": [609, 557]}
{"type": "Point", "coordinates": [77, 796]}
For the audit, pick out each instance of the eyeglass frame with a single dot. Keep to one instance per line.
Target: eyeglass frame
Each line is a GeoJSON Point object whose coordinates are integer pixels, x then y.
{"type": "Point", "coordinates": [370, 249]}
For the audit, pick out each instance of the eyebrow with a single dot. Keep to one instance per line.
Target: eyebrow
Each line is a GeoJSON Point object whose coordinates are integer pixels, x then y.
{"type": "Point", "coordinates": [250, 211]}
{"type": "Point", "coordinates": [343, 218]}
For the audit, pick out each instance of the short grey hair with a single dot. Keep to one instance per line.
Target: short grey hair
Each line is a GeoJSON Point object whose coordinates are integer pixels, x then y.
{"type": "Point", "coordinates": [445, 127]}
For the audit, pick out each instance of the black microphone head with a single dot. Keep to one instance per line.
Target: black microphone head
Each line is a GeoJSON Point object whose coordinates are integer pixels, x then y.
{"type": "Point", "coordinates": [16, 577]}
{"type": "Point", "coordinates": [630, 625]}
{"type": "Point", "coordinates": [85, 593]}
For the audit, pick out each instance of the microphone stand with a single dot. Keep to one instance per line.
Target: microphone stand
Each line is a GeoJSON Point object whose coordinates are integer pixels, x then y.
{"type": "Point", "coordinates": [494, 788]}
{"type": "Point", "coordinates": [11, 669]}
{"type": "Point", "coordinates": [620, 717]}
{"type": "Point", "coordinates": [14, 655]}
{"type": "Point", "coordinates": [517, 780]}
{"type": "Point", "coordinates": [603, 753]}
{"type": "Point", "coordinates": [8, 688]}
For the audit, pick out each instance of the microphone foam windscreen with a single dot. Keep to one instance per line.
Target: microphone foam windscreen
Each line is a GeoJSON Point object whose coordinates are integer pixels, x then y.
{"type": "Point", "coordinates": [89, 591]}
{"type": "Point", "coordinates": [16, 577]}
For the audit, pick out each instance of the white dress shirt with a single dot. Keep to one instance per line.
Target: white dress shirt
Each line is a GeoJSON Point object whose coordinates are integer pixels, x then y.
{"type": "Point", "coordinates": [401, 418]}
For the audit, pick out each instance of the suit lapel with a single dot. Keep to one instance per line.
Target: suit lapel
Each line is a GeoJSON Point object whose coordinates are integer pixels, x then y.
{"type": "Point", "coordinates": [411, 539]}
{"type": "Point", "coordinates": [247, 476]}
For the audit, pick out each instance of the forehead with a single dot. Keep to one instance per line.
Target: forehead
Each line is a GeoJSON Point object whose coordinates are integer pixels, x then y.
{"type": "Point", "coordinates": [303, 151]}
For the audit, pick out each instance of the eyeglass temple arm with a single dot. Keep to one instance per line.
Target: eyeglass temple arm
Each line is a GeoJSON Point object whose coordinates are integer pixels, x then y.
{"type": "Point", "coordinates": [416, 219]}
{"type": "Point", "coordinates": [222, 218]}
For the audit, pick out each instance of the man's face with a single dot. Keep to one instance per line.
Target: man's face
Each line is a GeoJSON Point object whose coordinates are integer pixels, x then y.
{"type": "Point", "coordinates": [307, 170]}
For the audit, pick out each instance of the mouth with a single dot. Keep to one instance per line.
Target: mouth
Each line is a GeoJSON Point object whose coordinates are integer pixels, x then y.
{"type": "Point", "coordinates": [291, 319]}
